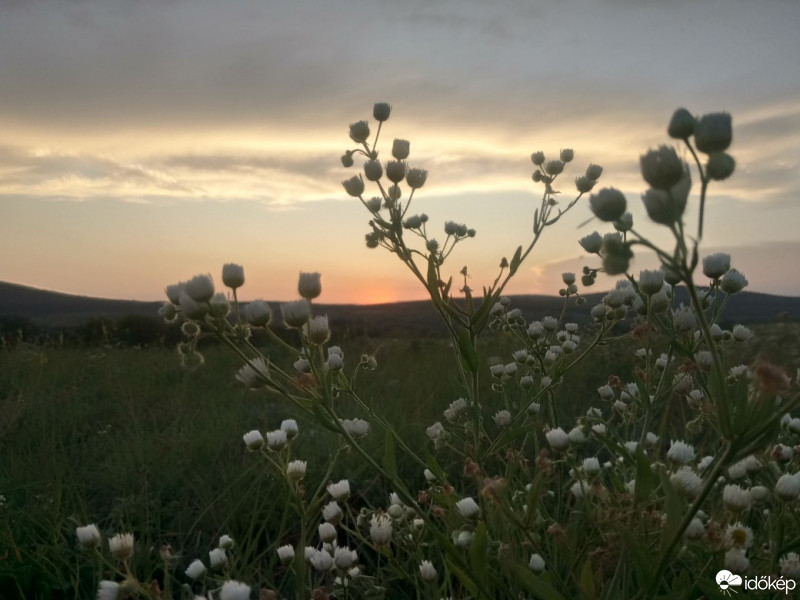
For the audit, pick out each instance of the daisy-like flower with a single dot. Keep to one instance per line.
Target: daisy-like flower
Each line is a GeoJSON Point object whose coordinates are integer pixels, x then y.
{"type": "Point", "coordinates": [217, 558]}
{"type": "Point", "coordinates": [790, 565]}
{"type": "Point", "coordinates": [467, 508]}
{"type": "Point", "coordinates": [121, 546]}
{"type": "Point", "coordinates": [695, 530]}
{"type": "Point", "coordinates": [557, 438]}
{"type": "Point", "coordinates": [331, 512]}
{"type": "Point", "coordinates": [502, 418]}
{"type": "Point", "coordinates": [286, 554]}
{"type": "Point", "coordinates": [289, 427]}
{"type": "Point", "coordinates": [327, 532]}
{"type": "Point", "coordinates": [536, 563]}
{"type": "Point", "coordinates": [257, 313]}
{"type": "Point", "coordinates": [233, 275]}
{"type": "Point", "coordinates": [321, 560]}
{"type": "Point", "coordinates": [687, 481]}
{"type": "Point", "coordinates": [234, 590]}
{"type": "Point", "coordinates": [88, 536]}
{"type": "Point", "coordinates": [310, 285]}
{"type": "Point", "coordinates": [787, 488]}
{"type": "Point", "coordinates": [735, 498]}
{"type": "Point", "coordinates": [738, 536]}
{"type": "Point", "coordinates": [591, 466]}
{"type": "Point", "coordinates": [356, 427]}
{"type": "Point", "coordinates": [108, 590]}
{"type": "Point", "coordinates": [276, 440]}
{"type": "Point", "coordinates": [736, 560]}
{"type": "Point", "coordinates": [200, 288]}
{"type": "Point", "coordinates": [255, 373]}
{"type": "Point", "coordinates": [680, 452]}
{"type": "Point", "coordinates": [427, 572]}
{"type": "Point", "coordinates": [344, 558]}
{"type": "Point", "coordinates": [296, 470]}
{"type": "Point", "coordinates": [340, 491]}
{"type": "Point", "coordinates": [196, 569]}
{"type": "Point", "coordinates": [380, 529]}
{"type": "Point", "coordinates": [253, 440]}
{"type": "Point", "coordinates": [296, 313]}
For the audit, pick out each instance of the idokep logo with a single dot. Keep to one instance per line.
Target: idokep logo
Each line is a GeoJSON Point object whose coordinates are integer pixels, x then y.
{"type": "Point", "coordinates": [728, 581]}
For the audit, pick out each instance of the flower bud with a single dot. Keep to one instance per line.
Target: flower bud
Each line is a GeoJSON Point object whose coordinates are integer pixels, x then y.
{"type": "Point", "coordinates": [359, 132]}
{"type": "Point", "coordinates": [416, 178]}
{"type": "Point", "coordinates": [624, 223]}
{"type": "Point", "coordinates": [381, 111]}
{"type": "Point", "coordinates": [373, 170]}
{"type": "Point", "coordinates": [374, 204]}
{"type": "Point", "coordinates": [720, 166]}
{"type": "Point", "coordinates": [233, 275]}
{"type": "Point", "coordinates": [681, 125]}
{"type": "Point", "coordinates": [713, 132]}
{"type": "Point", "coordinates": [592, 242]}
{"type": "Point", "coordinates": [310, 285]}
{"type": "Point", "coordinates": [395, 170]}
{"type": "Point", "coordinates": [716, 265]}
{"type": "Point", "coordinates": [666, 207]}
{"type": "Point", "coordinates": [594, 171]}
{"type": "Point", "coordinates": [584, 184]}
{"type": "Point", "coordinates": [661, 168]}
{"type": "Point", "coordinates": [400, 149]}
{"type": "Point", "coordinates": [616, 255]}
{"type": "Point", "coordinates": [537, 158]}
{"type": "Point", "coordinates": [296, 313]}
{"type": "Point", "coordinates": [354, 186]}
{"type": "Point", "coordinates": [427, 571]}
{"type": "Point", "coordinates": [257, 313]}
{"type": "Point", "coordinates": [651, 282]}
{"type": "Point", "coordinates": [554, 167]}
{"type": "Point", "coordinates": [347, 159]}
{"type": "Point", "coordinates": [733, 282]}
{"type": "Point", "coordinates": [567, 154]}
{"type": "Point", "coordinates": [608, 204]}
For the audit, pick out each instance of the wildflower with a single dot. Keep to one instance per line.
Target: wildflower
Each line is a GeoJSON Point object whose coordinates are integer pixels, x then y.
{"type": "Point", "coordinates": [741, 333]}
{"type": "Point", "coordinates": [584, 184]}
{"type": "Point", "coordinates": [790, 565]}
{"type": "Point", "coordinates": [196, 569]}
{"type": "Point", "coordinates": [666, 206]}
{"type": "Point", "coordinates": [606, 392]}
{"type": "Point", "coordinates": [661, 168]}
{"type": "Point", "coordinates": [217, 558]}
{"type": "Point", "coordinates": [88, 536]}
{"type": "Point", "coordinates": [463, 539]}
{"type": "Point", "coordinates": [327, 532]}
{"type": "Point", "coordinates": [276, 440]}
{"type": "Point", "coordinates": [233, 275]}
{"type": "Point", "coordinates": [289, 427]}
{"type": "Point", "coordinates": [400, 149]}
{"type": "Point", "coordinates": [591, 466]}
{"type": "Point", "coordinates": [286, 554]}
{"type": "Point", "coordinates": [736, 560]}
{"type": "Point", "coordinates": [592, 243]}
{"type": "Point", "coordinates": [331, 512]}
{"type": "Point", "coordinates": [695, 529]}
{"type": "Point", "coordinates": [354, 186]}
{"type": "Point", "coordinates": [427, 572]}
{"type": "Point", "coordinates": [651, 282]}
{"type": "Point", "coordinates": [309, 285]}
{"type": "Point", "coordinates": [200, 288]}
{"type": "Point", "coordinates": [735, 498]}
{"type": "Point", "coordinates": [787, 488]}
{"type": "Point", "coordinates": [680, 452]}
{"type": "Point", "coordinates": [435, 431]}
{"type": "Point", "coordinates": [452, 412]}
{"type": "Point", "coordinates": [576, 436]}
{"type": "Point", "coordinates": [234, 590]}
{"type": "Point", "coordinates": [296, 470]}
{"type": "Point", "coordinates": [536, 563]}
{"type": "Point", "coordinates": [356, 427]}
{"type": "Point", "coordinates": [381, 111]}
{"type": "Point", "coordinates": [344, 558]}
{"type": "Point", "coordinates": [608, 204]}
{"type": "Point", "coordinates": [554, 167]}
{"type": "Point", "coordinates": [616, 255]}
{"type": "Point", "coordinates": [416, 178]}
{"type": "Point", "coordinates": [395, 170]}
{"type": "Point", "coordinates": [733, 282]}
{"type": "Point", "coordinates": [502, 418]}
{"type": "Point", "coordinates": [579, 489]}
{"type": "Point", "coordinates": [257, 313]}
{"type": "Point", "coordinates": [121, 546]}
{"type": "Point", "coordinates": [594, 171]}
{"type": "Point", "coordinates": [108, 590]}
{"type": "Point", "coordinates": [683, 319]}
{"type": "Point", "coordinates": [192, 309]}
{"type": "Point", "coordinates": [713, 132]}
{"type": "Point", "coordinates": [296, 313]}
{"type": "Point", "coordinates": [317, 329]}
{"type": "Point", "coordinates": [430, 476]}
{"type": "Point", "coordinates": [687, 481]}
{"type": "Point", "coordinates": [340, 491]}
{"type": "Point", "coordinates": [716, 265]}
{"type": "Point", "coordinates": [253, 439]}
{"type": "Point", "coordinates": [738, 536]}
{"type": "Point", "coordinates": [720, 166]}
{"type": "Point", "coordinates": [681, 125]}
{"type": "Point", "coordinates": [557, 438]}
{"type": "Point", "coordinates": [537, 158]}
{"type": "Point", "coordinates": [219, 305]}
{"type": "Point", "coordinates": [359, 132]}
{"type": "Point", "coordinates": [467, 508]}
{"type": "Point", "coordinates": [380, 529]}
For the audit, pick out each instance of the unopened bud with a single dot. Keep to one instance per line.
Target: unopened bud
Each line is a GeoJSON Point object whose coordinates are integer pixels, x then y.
{"type": "Point", "coordinates": [400, 149]}
{"type": "Point", "coordinates": [354, 186]}
{"type": "Point", "coordinates": [537, 158]}
{"type": "Point", "coordinates": [567, 154]}
{"type": "Point", "coordinates": [713, 132]}
{"type": "Point", "coordinates": [416, 178]}
{"type": "Point", "coordinates": [720, 166]}
{"type": "Point", "coordinates": [381, 111]}
{"type": "Point", "coordinates": [661, 168]}
{"type": "Point", "coordinates": [395, 170]}
{"type": "Point", "coordinates": [359, 132]}
{"type": "Point", "coordinates": [681, 126]}
{"type": "Point", "coordinates": [608, 204]}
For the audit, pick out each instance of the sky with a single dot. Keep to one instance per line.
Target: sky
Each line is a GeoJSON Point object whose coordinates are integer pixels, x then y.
{"type": "Point", "coordinates": [144, 142]}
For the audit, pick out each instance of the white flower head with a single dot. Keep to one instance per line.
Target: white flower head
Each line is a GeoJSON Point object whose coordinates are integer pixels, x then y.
{"type": "Point", "coordinates": [557, 438]}
{"type": "Point", "coordinates": [736, 560]}
{"type": "Point", "coordinates": [340, 491]}
{"type": "Point", "coordinates": [467, 508]}
{"type": "Point", "coordinates": [502, 418]}
{"type": "Point", "coordinates": [716, 265]}
{"type": "Point", "coordinates": [790, 565]}
{"type": "Point", "coordinates": [196, 569]}
{"type": "Point", "coordinates": [380, 529]}
{"type": "Point", "coordinates": [234, 590]}
{"type": "Point", "coordinates": [327, 532]}
{"type": "Point", "coordinates": [296, 469]}
{"type": "Point", "coordinates": [331, 512]}
{"type": "Point", "coordinates": [233, 275]}
{"type": "Point", "coordinates": [735, 498]}
{"type": "Point", "coordinates": [257, 313]}
{"type": "Point", "coordinates": [536, 563]}
{"type": "Point", "coordinates": [787, 488]}
{"type": "Point", "coordinates": [738, 536]}
{"type": "Point", "coordinates": [456, 408]}
{"type": "Point", "coordinates": [427, 572]}
{"type": "Point", "coordinates": [310, 285]}
{"type": "Point", "coordinates": [687, 481]}
{"type": "Point", "coordinates": [255, 373]}
{"type": "Point", "coordinates": [276, 440]}
{"type": "Point", "coordinates": [680, 452]}
{"type": "Point", "coordinates": [286, 554]}
{"type": "Point", "coordinates": [121, 546]}
{"type": "Point", "coordinates": [108, 590]}
{"type": "Point", "coordinates": [200, 288]}
{"type": "Point", "coordinates": [289, 427]}
{"type": "Point", "coordinates": [357, 428]}
{"type": "Point", "coordinates": [253, 440]}
{"type": "Point", "coordinates": [296, 313]}
{"type": "Point", "coordinates": [88, 536]}
{"type": "Point", "coordinates": [321, 560]}
{"type": "Point", "coordinates": [225, 542]}
{"type": "Point", "coordinates": [217, 558]}
{"type": "Point", "coordinates": [344, 558]}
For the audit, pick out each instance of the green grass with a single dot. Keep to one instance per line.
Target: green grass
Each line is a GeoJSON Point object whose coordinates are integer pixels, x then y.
{"type": "Point", "coordinates": [128, 439]}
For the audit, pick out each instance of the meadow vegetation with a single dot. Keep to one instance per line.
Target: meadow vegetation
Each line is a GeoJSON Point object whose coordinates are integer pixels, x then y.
{"type": "Point", "coordinates": [645, 452]}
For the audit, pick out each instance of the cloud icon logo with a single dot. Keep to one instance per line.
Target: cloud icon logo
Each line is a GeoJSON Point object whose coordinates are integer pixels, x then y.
{"type": "Point", "coordinates": [725, 579]}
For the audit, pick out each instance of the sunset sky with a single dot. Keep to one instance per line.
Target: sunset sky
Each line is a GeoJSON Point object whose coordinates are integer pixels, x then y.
{"type": "Point", "coordinates": [145, 142]}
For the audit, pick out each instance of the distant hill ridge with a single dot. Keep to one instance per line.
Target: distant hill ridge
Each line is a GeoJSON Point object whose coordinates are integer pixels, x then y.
{"type": "Point", "coordinates": [58, 309]}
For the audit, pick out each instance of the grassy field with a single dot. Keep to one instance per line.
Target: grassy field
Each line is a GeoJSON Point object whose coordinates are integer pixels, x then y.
{"type": "Point", "coordinates": [128, 439]}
